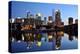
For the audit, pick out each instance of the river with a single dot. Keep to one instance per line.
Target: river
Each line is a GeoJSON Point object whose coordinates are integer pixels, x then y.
{"type": "Point", "coordinates": [45, 42]}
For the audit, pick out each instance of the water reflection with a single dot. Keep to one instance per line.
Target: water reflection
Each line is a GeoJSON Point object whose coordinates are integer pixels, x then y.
{"type": "Point", "coordinates": [58, 40]}
{"type": "Point", "coordinates": [44, 41]}
{"type": "Point", "coordinates": [72, 35]}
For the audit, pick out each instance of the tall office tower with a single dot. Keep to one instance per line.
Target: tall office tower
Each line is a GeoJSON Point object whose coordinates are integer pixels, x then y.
{"type": "Point", "coordinates": [76, 21]}
{"type": "Point", "coordinates": [53, 14]}
{"type": "Point", "coordinates": [57, 18]}
{"type": "Point", "coordinates": [70, 21]}
{"type": "Point", "coordinates": [38, 16]}
{"type": "Point", "coordinates": [28, 14]}
{"type": "Point", "coordinates": [31, 16]}
{"type": "Point", "coordinates": [50, 19]}
{"type": "Point", "coordinates": [45, 20]}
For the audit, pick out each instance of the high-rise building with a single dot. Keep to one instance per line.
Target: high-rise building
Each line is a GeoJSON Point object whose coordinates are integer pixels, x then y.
{"type": "Point", "coordinates": [76, 21]}
{"type": "Point", "coordinates": [53, 14]}
{"type": "Point", "coordinates": [38, 16]}
{"type": "Point", "coordinates": [70, 20]}
{"type": "Point", "coordinates": [31, 16]}
{"type": "Point", "coordinates": [28, 14]}
{"type": "Point", "coordinates": [45, 20]}
{"type": "Point", "coordinates": [57, 18]}
{"type": "Point", "coordinates": [50, 19]}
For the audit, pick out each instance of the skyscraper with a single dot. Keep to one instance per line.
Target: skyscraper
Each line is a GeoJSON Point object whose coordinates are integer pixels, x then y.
{"type": "Point", "coordinates": [70, 20]}
{"type": "Point", "coordinates": [76, 21]}
{"type": "Point", "coordinates": [57, 18]}
{"type": "Point", "coordinates": [38, 16]}
{"type": "Point", "coordinates": [28, 14]}
{"type": "Point", "coordinates": [31, 16]}
{"type": "Point", "coordinates": [45, 20]}
{"type": "Point", "coordinates": [50, 19]}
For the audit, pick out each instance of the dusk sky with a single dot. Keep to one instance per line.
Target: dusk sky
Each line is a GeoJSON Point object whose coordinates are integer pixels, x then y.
{"type": "Point", "coordinates": [19, 9]}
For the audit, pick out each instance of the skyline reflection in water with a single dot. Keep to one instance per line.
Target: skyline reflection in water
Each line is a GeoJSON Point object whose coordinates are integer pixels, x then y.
{"type": "Point", "coordinates": [45, 41]}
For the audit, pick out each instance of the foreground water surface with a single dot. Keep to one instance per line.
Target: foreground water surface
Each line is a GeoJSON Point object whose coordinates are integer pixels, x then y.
{"type": "Point", "coordinates": [48, 42]}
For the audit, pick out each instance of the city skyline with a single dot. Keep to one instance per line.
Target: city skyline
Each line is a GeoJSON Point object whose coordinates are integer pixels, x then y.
{"type": "Point", "coordinates": [42, 26]}
{"type": "Point", "coordinates": [19, 10]}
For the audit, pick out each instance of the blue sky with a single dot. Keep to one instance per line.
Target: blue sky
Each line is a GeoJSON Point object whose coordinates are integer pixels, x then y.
{"type": "Point", "coordinates": [19, 9]}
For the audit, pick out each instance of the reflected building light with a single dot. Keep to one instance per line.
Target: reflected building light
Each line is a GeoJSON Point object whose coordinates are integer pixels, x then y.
{"type": "Point", "coordinates": [58, 42]}
{"type": "Point", "coordinates": [61, 33]}
{"type": "Point", "coordinates": [43, 38]}
{"type": "Point", "coordinates": [30, 34]}
{"type": "Point", "coordinates": [22, 37]}
{"type": "Point", "coordinates": [34, 26]}
{"type": "Point", "coordinates": [34, 35]}
{"type": "Point", "coordinates": [66, 35]}
{"type": "Point", "coordinates": [74, 38]}
{"type": "Point", "coordinates": [12, 39]}
{"type": "Point", "coordinates": [39, 43]}
{"type": "Point", "coordinates": [57, 47]}
{"type": "Point", "coordinates": [50, 36]}
{"type": "Point", "coordinates": [28, 47]}
{"type": "Point", "coordinates": [19, 41]}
